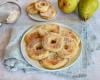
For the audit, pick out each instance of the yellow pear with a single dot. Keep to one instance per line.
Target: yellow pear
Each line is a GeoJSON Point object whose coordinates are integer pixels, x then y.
{"type": "Point", "coordinates": [87, 8]}
{"type": "Point", "coordinates": [67, 6]}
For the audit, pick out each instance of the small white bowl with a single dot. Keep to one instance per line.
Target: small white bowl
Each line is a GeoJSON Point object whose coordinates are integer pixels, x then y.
{"type": "Point", "coordinates": [36, 63]}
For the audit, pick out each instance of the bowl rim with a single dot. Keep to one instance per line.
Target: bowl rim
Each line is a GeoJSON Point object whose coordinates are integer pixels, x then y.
{"type": "Point", "coordinates": [45, 69]}
{"type": "Point", "coordinates": [19, 7]}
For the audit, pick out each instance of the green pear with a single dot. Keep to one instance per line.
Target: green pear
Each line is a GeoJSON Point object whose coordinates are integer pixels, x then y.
{"type": "Point", "coordinates": [67, 6]}
{"type": "Point", "coordinates": [87, 8]}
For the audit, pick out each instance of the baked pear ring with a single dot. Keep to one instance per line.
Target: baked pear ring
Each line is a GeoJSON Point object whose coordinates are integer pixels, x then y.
{"type": "Point", "coordinates": [53, 42]}
{"type": "Point", "coordinates": [36, 51]}
{"type": "Point", "coordinates": [69, 48]}
{"type": "Point", "coordinates": [52, 28]}
{"type": "Point", "coordinates": [31, 9]}
{"type": "Point", "coordinates": [42, 5]}
{"type": "Point", "coordinates": [31, 36]}
{"type": "Point", "coordinates": [73, 53]}
{"type": "Point", "coordinates": [54, 62]}
{"type": "Point", "coordinates": [49, 14]}
{"type": "Point", "coordinates": [73, 35]}
{"type": "Point", "coordinates": [46, 28]}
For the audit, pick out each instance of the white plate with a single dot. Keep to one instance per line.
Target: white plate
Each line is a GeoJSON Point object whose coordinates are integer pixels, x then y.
{"type": "Point", "coordinates": [36, 63]}
{"type": "Point", "coordinates": [37, 17]}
